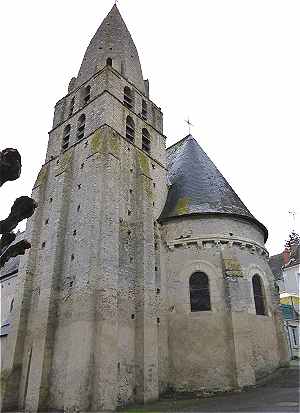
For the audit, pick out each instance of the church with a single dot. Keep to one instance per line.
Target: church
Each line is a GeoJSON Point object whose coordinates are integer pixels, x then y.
{"type": "Point", "coordinates": [147, 273]}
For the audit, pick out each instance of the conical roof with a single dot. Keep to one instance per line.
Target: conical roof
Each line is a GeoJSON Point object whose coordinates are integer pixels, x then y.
{"type": "Point", "coordinates": [198, 187]}
{"type": "Point", "coordinates": [112, 40]}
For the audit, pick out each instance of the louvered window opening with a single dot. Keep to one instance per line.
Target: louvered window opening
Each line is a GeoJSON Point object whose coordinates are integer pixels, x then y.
{"type": "Point", "coordinates": [128, 101]}
{"type": "Point", "coordinates": [71, 109]}
{"type": "Point", "coordinates": [130, 129]}
{"type": "Point", "coordinates": [146, 142]}
{"type": "Point", "coordinates": [81, 127]}
{"type": "Point", "coordinates": [87, 95]}
{"type": "Point", "coordinates": [144, 110]}
{"type": "Point", "coordinates": [66, 137]}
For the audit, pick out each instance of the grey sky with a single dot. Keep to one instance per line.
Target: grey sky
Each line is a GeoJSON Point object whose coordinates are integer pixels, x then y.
{"type": "Point", "coordinates": [232, 66]}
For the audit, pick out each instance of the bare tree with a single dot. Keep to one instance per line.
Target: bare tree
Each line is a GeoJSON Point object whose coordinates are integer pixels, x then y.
{"type": "Point", "coordinates": [23, 207]}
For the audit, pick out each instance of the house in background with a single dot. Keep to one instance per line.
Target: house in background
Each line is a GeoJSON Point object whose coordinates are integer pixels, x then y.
{"type": "Point", "coordinates": [286, 269]}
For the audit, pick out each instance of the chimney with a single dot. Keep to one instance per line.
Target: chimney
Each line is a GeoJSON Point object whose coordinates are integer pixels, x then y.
{"type": "Point", "coordinates": [286, 256]}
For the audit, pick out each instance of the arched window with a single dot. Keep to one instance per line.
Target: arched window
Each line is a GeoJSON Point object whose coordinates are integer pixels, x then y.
{"type": "Point", "coordinates": [130, 128]}
{"type": "Point", "coordinates": [259, 297]}
{"type": "Point", "coordinates": [71, 108]}
{"type": "Point", "coordinates": [86, 94]}
{"type": "Point", "coordinates": [199, 292]}
{"type": "Point", "coordinates": [146, 142]}
{"type": "Point", "coordinates": [80, 126]}
{"type": "Point", "coordinates": [109, 61]}
{"type": "Point", "coordinates": [144, 110]}
{"type": "Point", "coordinates": [66, 137]}
{"type": "Point", "coordinates": [128, 100]}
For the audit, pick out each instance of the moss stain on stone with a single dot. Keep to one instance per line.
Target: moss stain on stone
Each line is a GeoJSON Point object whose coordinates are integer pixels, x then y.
{"type": "Point", "coordinates": [182, 206]}
{"type": "Point", "coordinates": [64, 162]}
{"type": "Point", "coordinates": [96, 141]}
{"type": "Point", "coordinates": [42, 176]}
{"type": "Point", "coordinates": [144, 164]}
{"type": "Point", "coordinates": [114, 144]}
{"type": "Point", "coordinates": [3, 380]}
{"type": "Point", "coordinates": [148, 188]}
{"type": "Point", "coordinates": [232, 267]}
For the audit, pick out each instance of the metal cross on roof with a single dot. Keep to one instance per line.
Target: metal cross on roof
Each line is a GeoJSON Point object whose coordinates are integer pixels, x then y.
{"type": "Point", "coordinates": [293, 213]}
{"type": "Point", "coordinates": [189, 124]}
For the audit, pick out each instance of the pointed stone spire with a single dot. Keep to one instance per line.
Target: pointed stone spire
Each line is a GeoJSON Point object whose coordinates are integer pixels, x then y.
{"type": "Point", "coordinates": [198, 187]}
{"type": "Point", "coordinates": [112, 41]}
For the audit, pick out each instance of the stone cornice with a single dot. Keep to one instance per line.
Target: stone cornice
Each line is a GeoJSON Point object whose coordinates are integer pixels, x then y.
{"type": "Point", "coordinates": [218, 241]}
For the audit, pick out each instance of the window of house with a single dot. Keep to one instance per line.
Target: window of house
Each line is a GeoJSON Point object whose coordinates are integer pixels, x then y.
{"type": "Point", "coordinates": [109, 61]}
{"type": "Point", "coordinates": [258, 292]}
{"type": "Point", "coordinates": [144, 110]}
{"type": "Point", "coordinates": [128, 98]}
{"type": "Point", "coordinates": [146, 142]}
{"type": "Point", "coordinates": [80, 126]}
{"type": "Point", "coordinates": [130, 128]}
{"type": "Point", "coordinates": [66, 137]}
{"type": "Point", "coordinates": [86, 94]}
{"type": "Point", "coordinates": [71, 107]}
{"type": "Point", "coordinates": [199, 292]}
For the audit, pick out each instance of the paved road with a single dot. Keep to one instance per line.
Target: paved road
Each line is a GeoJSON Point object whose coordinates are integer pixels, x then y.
{"type": "Point", "coordinates": [281, 395]}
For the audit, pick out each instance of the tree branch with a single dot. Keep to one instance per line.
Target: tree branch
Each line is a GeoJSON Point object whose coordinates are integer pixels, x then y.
{"type": "Point", "coordinates": [22, 208]}
{"type": "Point", "coordinates": [10, 165]}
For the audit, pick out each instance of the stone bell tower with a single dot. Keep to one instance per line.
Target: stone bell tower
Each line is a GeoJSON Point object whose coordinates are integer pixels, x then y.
{"type": "Point", "coordinates": [85, 326]}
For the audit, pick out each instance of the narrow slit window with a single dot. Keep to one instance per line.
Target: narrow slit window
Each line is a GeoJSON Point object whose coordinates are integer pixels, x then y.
{"type": "Point", "coordinates": [128, 99]}
{"type": "Point", "coordinates": [130, 129]}
{"type": "Point", "coordinates": [66, 137]}
{"type": "Point", "coordinates": [109, 61]}
{"type": "Point", "coordinates": [199, 292]}
{"type": "Point", "coordinates": [144, 110]}
{"type": "Point", "coordinates": [146, 141]}
{"type": "Point", "coordinates": [259, 296]}
{"type": "Point", "coordinates": [81, 126]}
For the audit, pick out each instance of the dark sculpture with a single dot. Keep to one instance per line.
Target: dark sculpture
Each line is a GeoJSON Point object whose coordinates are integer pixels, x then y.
{"type": "Point", "coordinates": [23, 207]}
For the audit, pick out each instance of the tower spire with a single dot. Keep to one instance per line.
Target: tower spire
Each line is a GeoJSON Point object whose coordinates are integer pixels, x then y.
{"type": "Point", "coordinates": [112, 41]}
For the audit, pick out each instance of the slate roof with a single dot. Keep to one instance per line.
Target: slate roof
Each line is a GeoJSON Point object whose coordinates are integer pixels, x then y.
{"type": "Point", "coordinates": [198, 187]}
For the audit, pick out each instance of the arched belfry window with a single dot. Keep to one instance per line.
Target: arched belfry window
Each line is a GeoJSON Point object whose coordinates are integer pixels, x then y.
{"type": "Point", "coordinates": [259, 296]}
{"type": "Point", "coordinates": [109, 61]}
{"type": "Point", "coordinates": [146, 141]}
{"type": "Point", "coordinates": [86, 94]}
{"type": "Point", "coordinates": [66, 137]}
{"type": "Point", "coordinates": [199, 292]}
{"type": "Point", "coordinates": [128, 98]}
{"type": "Point", "coordinates": [80, 126]}
{"type": "Point", "coordinates": [71, 107]}
{"type": "Point", "coordinates": [130, 128]}
{"type": "Point", "coordinates": [144, 110]}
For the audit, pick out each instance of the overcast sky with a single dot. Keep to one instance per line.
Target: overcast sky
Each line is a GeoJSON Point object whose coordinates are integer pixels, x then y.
{"type": "Point", "coordinates": [232, 66]}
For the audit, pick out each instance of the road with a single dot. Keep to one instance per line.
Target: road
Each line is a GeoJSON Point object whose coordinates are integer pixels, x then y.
{"type": "Point", "coordinates": [280, 394]}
